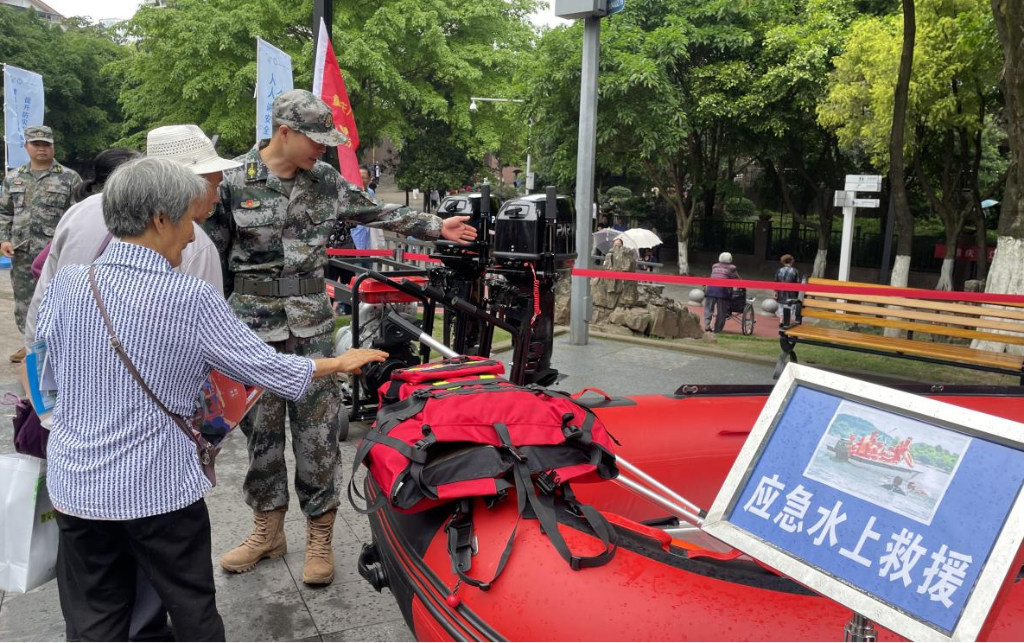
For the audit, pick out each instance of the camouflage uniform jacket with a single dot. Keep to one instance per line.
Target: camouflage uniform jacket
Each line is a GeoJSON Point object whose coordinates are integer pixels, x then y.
{"type": "Point", "coordinates": [30, 208]}
{"type": "Point", "coordinates": [264, 234]}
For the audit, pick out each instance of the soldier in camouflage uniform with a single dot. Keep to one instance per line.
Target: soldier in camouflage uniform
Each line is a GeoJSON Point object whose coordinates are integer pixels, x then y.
{"type": "Point", "coordinates": [272, 225]}
{"type": "Point", "coordinates": [35, 197]}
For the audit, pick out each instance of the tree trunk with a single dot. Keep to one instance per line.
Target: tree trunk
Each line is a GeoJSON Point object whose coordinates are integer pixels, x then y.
{"type": "Point", "coordinates": [981, 239]}
{"type": "Point", "coordinates": [897, 169]}
{"type": "Point", "coordinates": [1008, 267]}
{"type": "Point", "coordinates": [820, 263]}
{"type": "Point", "coordinates": [897, 176]}
{"type": "Point", "coordinates": [1006, 274]}
{"type": "Point", "coordinates": [684, 257]}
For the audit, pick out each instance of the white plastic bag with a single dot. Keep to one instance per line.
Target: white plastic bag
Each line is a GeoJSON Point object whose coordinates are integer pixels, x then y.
{"type": "Point", "coordinates": [28, 525]}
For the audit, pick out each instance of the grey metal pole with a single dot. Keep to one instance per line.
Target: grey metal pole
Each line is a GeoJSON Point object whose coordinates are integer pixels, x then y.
{"type": "Point", "coordinates": [322, 9]}
{"type": "Point", "coordinates": [585, 166]}
{"type": "Point", "coordinates": [859, 628]}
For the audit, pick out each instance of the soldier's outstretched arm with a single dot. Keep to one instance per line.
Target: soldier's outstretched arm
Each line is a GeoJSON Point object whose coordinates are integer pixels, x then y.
{"type": "Point", "coordinates": [358, 206]}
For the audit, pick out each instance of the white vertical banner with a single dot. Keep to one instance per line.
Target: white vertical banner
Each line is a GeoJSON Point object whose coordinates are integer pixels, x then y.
{"type": "Point", "coordinates": [319, 58]}
{"type": "Point", "coordinates": [23, 107]}
{"type": "Point", "coordinates": [273, 77]}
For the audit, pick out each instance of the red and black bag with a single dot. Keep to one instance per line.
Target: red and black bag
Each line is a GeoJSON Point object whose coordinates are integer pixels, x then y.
{"type": "Point", "coordinates": [456, 430]}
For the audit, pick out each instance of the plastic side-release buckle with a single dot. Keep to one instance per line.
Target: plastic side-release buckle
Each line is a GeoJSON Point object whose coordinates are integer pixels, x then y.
{"type": "Point", "coordinates": [546, 482]}
{"type": "Point", "coordinates": [516, 453]}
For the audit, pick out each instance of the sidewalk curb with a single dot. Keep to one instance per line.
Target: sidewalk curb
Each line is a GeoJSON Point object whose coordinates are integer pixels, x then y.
{"type": "Point", "coordinates": [686, 347]}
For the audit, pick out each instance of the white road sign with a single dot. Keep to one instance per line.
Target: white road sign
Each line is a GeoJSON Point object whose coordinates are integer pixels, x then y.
{"type": "Point", "coordinates": [863, 182]}
{"type": "Point", "coordinates": [865, 203]}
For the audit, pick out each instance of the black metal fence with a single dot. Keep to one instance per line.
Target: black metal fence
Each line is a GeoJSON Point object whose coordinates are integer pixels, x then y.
{"type": "Point", "coordinates": [719, 235]}
{"type": "Point", "coordinates": [738, 237]}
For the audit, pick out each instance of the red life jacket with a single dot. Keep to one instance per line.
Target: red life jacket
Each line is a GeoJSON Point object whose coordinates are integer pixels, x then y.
{"type": "Point", "coordinates": [456, 429]}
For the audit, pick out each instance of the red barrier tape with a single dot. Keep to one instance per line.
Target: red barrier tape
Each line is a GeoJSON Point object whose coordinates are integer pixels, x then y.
{"type": "Point", "coordinates": [915, 293]}
{"type": "Point", "coordinates": [415, 256]}
{"type": "Point", "coordinates": [348, 252]}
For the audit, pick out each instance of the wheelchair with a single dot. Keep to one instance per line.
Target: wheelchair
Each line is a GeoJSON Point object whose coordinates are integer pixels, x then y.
{"type": "Point", "coordinates": [741, 310]}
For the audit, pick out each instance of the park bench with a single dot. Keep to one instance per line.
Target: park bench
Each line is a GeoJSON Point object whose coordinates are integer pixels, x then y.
{"type": "Point", "coordinates": [939, 332]}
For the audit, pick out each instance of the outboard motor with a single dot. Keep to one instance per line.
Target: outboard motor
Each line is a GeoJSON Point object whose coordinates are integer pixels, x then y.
{"type": "Point", "coordinates": [534, 239]}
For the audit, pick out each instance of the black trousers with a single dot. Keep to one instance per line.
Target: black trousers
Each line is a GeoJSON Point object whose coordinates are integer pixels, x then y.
{"type": "Point", "coordinates": [149, 618]}
{"type": "Point", "coordinates": [96, 570]}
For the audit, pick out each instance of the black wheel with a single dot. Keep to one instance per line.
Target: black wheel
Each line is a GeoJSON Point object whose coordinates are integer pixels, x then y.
{"type": "Point", "coordinates": [747, 322]}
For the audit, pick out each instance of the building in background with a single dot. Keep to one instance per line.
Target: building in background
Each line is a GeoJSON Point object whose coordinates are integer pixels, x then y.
{"type": "Point", "coordinates": [44, 10]}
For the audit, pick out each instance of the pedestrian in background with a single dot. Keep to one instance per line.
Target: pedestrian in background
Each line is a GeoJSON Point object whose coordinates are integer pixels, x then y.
{"type": "Point", "coordinates": [720, 295]}
{"type": "Point", "coordinates": [34, 198]}
{"type": "Point", "coordinates": [786, 274]}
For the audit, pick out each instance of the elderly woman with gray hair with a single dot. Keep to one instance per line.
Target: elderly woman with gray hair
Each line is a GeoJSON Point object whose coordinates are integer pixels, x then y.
{"type": "Point", "coordinates": [125, 479]}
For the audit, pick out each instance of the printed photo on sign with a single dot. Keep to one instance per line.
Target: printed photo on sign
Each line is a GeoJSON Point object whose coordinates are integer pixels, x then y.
{"type": "Point", "coordinates": [895, 462]}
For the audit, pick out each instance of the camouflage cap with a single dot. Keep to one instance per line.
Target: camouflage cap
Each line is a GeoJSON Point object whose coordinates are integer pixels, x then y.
{"type": "Point", "coordinates": [304, 112]}
{"type": "Point", "coordinates": [38, 133]}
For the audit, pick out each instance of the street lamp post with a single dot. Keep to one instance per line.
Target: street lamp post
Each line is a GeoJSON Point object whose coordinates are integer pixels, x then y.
{"type": "Point", "coordinates": [473, 107]}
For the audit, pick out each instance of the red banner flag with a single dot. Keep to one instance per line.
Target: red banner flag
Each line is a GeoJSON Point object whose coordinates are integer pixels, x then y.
{"type": "Point", "coordinates": [329, 85]}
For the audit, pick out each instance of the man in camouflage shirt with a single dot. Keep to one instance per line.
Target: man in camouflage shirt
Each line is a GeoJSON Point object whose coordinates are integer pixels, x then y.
{"type": "Point", "coordinates": [272, 227]}
{"type": "Point", "coordinates": [35, 197]}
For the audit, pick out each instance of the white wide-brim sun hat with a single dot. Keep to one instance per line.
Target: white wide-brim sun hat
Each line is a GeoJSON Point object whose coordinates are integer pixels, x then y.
{"type": "Point", "coordinates": [189, 146]}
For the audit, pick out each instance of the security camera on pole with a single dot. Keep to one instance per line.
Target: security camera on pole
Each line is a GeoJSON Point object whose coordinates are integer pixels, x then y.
{"type": "Point", "coordinates": [591, 11]}
{"type": "Point", "coordinates": [848, 201]}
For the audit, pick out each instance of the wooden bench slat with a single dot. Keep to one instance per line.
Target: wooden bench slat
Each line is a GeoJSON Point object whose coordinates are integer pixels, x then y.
{"type": "Point", "coordinates": [1014, 314]}
{"type": "Point", "coordinates": [909, 313]}
{"type": "Point", "coordinates": [942, 306]}
{"type": "Point", "coordinates": [949, 331]}
{"type": "Point", "coordinates": [910, 347]}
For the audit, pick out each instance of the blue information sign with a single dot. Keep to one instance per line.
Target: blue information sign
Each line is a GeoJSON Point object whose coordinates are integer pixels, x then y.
{"type": "Point", "coordinates": [904, 507]}
{"type": "Point", "coordinates": [273, 78]}
{"type": "Point", "coordinates": [615, 6]}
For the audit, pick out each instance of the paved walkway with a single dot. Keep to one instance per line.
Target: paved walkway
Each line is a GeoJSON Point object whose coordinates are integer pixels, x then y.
{"type": "Point", "coordinates": [272, 603]}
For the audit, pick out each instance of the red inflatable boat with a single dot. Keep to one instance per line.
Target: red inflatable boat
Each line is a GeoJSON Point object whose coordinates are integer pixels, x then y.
{"type": "Point", "coordinates": [662, 584]}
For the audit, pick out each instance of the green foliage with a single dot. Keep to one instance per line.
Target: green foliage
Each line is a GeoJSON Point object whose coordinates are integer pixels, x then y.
{"type": "Point", "coordinates": [434, 158]}
{"type": "Point", "coordinates": [195, 62]}
{"type": "Point", "coordinates": [740, 207]}
{"type": "Point", "coordinates": [81, 98]}
{"type": "Point", "coordinates": [934, 456]}
{"type": "Point", "coordinates": [411, 67]}
{"type": "Point", "coordinates": [956, 75]}
{"type": "Point", "coordinates": [618, 193]}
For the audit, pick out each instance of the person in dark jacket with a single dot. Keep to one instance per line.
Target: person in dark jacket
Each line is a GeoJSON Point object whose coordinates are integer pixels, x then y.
{"type": "Point", "coordinates": [786, 274]}
{"type": "Point", "coordinates": [719, 296]}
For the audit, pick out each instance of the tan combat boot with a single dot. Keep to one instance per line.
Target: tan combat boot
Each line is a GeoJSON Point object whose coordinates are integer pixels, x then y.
{"type": "Point", "coordinates": [265, 541]}
{"type": "Point", "coordinates": [319, 567]}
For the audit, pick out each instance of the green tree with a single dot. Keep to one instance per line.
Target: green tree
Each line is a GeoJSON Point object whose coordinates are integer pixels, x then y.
{"type": "Point", "coordinates": [950, 141]}
{"type": "Point", "coordinates": [411, 67]}
{"type": "Point", "coordinates": [195, 62]}
{"type": "Point", "coordinates": [675, 75]}
{"type": "Point", "coordinates": [1007, 273]}
{"type": "Point", "coordinates": [803, 156]}
{"type": "Point", "coordinates": [81, 98]}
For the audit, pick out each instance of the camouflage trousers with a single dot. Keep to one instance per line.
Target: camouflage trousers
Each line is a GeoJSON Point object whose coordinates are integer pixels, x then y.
{"type": "Point", "coordinates": [315, 422]}
{"type": "Point", "coordinates": [24, 284]}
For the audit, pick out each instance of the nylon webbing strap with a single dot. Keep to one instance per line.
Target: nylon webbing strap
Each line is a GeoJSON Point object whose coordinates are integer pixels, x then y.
{"type": "Point", "coordinates": [452, 530]}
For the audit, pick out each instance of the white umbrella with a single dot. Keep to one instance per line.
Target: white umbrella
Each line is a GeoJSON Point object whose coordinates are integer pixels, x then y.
{"type": "Point", "coordinates": [639, 238]}
{"type": "Point", "coordinates": [603, 239]}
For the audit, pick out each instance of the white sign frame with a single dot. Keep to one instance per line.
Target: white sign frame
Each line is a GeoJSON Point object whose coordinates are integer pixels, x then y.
{"type": "Point", "coordinates": [1004, 550]}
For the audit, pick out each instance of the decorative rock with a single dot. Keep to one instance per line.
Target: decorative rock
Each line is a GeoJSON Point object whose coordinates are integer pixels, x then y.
{"type": "Point", "coordinates": [697, 295]}
{"type": "Point", "coordinates": [974, 285]}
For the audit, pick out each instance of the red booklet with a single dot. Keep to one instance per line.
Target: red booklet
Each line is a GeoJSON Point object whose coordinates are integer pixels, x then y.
{"type": "Point", "coordinates": [224, 403]}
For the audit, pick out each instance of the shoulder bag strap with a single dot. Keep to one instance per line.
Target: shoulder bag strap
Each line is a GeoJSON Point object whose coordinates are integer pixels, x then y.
{"type": "Point", "coordinates": [103, 246]}
{"type": "Point", "coordinates": [115, 343]}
